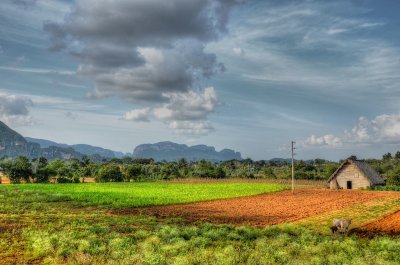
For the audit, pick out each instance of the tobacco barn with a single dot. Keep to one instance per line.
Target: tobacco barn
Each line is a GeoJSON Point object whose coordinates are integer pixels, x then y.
{"type": "Point", "coordinates": [354, 174]}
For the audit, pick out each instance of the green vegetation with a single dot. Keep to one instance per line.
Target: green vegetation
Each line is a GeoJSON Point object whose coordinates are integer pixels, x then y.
{"type": "Point", "coordinates": [20, 169]}
{"type": "Point", "coordinates": [120, 195]}
{"type": "Point", "coordinates": [388, 167]}
{"type": "Point", "coordinates": [45, 228]}
{"type": "Point", "coordinates": [387, 188]}
{"type": "Point", "coordinates": [134, 170]}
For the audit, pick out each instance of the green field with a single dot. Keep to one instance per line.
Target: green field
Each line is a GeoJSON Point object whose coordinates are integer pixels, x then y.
{"type": "Point", "coordinates": [45, 224]}
{"type": "Point", "coordinates": [121, 195]}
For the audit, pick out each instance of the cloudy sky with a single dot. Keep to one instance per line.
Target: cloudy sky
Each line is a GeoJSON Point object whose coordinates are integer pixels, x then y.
{"type": "Point", "coordinates": [247, 75]}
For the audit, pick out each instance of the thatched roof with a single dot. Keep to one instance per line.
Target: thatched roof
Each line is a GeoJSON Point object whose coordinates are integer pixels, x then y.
{"type": "Point", "coordinates": [366, 169]}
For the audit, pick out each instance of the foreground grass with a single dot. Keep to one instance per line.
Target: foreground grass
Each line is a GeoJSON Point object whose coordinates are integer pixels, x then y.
{"type": "Point", "coordinates": [121, 195]}
{"type": "Point", "coordinates": [45, 228]}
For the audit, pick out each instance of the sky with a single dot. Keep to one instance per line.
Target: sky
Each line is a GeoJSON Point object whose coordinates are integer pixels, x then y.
{"type": "Point", "coordinates": [242, 74]}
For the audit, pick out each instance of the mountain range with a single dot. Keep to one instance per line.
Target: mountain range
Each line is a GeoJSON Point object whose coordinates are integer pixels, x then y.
{"type": "Point", "coordinates": [13, 144]}
{"type": "Point", "coordinates": [170, 151]}
{"type": "Point", "coordinates": [84, 149]}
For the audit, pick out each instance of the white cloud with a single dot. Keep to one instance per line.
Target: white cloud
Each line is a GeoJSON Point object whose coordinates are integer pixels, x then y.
{"type": "Point", "coordinates": [14, 110]}
{"type": "Point", "coordinates": [326, 140]}
{"type": "Point", "coordinates": [185, 113]}
{"type": "Point", "coordinates": [37, 70]}
{"type": "Point", "coordinates": [383, 129]}
{"type": "Point", "coordinates": [333, 31]}
{"type": "Point", "coordinates": [238, 51]}
{"type": "Point", "coordinates": [145, 51]}
{"type": "Point", "coordinates": [191, 128]}
{"type": "Point", "coordinates": [138, 115]}
{"type": "Point", "coordinates": [188, 106]}
{"type": "Point", "coordinates": [147, 54]}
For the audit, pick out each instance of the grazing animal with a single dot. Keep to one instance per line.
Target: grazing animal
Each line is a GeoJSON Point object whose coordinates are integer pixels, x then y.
{"type": "Point", "coordinates": [334, 229]}
{"type": "Point", "coordinates": [341, 226]}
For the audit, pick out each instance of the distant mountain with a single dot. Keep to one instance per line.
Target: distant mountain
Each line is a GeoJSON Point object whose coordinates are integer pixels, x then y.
{"type": "Point", "coordinates": [93, 150]}
{"type": "Point", "coordinates": [13, 144]}
{"type": "Point", "coordinates": [170, 151]}
{"type": "Point", "coordinates": [84, 149]}
{"type": "Point", "coordinates": [280, 160]}
{"type": "Point", "coordinates": [44, 143]}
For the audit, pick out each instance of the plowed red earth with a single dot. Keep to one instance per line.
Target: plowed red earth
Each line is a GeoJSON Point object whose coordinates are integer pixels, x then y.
{"type": "Point", "coordinates": [4, 180]}
{"type": "Point", "coordinates": [389, 225]}
{"type": "Point", "coordinates": [265, 209]}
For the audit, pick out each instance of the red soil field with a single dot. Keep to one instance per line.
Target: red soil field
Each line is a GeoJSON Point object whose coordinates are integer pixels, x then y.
{"type": "Point", "coordinates": [389, 225]}
{"type": "Point", "coordinates": [4, 180]}
{"type": "Point", "coordinates": [265, 209]}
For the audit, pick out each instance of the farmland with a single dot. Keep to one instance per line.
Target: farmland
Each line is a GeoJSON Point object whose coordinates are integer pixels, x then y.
{"type": "Point", "coordinates": [122, 195]}
{"type": "Point", "coordinates": [75, 224]}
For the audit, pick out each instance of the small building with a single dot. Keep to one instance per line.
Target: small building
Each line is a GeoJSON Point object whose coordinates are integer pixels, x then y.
{"type": "Point", "coordinates": [354, 174]}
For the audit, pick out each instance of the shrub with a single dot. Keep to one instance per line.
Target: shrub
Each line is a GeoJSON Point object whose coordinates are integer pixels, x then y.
{"type": "Point", "coordinates": [109, 172]}
{"type": "Point", "coordinates": [21, 168]}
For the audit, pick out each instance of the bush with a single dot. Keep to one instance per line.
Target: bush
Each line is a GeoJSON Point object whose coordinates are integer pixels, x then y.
{"type": "Point", "coordinates": [21, 169]}
{"type": "Point", "coordinates": [387, 188]}
{"type": "Point", "coordinates": [132, 172]}
{"type": "Point", "coordinates": [109, 172]}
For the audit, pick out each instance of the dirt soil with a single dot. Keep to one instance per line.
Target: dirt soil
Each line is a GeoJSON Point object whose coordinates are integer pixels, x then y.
{"type": "Point", "coordinates": [265, 209]}
{"type": "Point", "coordinates": [389, 225]}
{"type": "Point", "coordinates": [4, 180]}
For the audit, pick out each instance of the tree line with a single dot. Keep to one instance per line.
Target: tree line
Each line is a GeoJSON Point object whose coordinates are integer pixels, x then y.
{"type": "Point", "coordinates": [128, 169]}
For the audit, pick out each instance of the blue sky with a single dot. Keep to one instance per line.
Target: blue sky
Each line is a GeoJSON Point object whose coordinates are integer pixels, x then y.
{"type": "Point", "coordinates": [247, 75]}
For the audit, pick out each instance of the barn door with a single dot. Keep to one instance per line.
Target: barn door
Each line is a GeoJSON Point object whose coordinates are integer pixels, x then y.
{"type": "Point", "coordinates": [349, 185]}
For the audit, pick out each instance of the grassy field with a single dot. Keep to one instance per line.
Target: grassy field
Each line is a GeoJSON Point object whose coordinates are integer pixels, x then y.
{"type": "Point", "coordinates": [41, 224]}
{"type": "Point", "coordinates": [122, 195]}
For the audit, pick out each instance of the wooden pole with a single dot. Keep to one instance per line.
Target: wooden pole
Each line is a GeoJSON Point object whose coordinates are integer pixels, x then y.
{"type": "Point", "coordinates": [293, 165]}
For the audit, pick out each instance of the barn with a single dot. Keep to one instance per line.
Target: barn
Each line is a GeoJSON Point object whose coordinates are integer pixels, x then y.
{"type": "Point", "coordinates": [354, 174]}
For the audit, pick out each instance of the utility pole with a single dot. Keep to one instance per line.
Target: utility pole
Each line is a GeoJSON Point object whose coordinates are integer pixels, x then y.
{"type": "Point", "coordinates": [293, 143]}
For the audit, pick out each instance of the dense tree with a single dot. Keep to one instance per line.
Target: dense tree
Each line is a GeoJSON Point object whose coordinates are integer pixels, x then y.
{"type": "Point", "coordinates": [20, 169]}
{"type": "Point", "coordinates": [109, 172]}
{"type": "Point", "coordinates": [132, 172]}
{"type": "Point", "coordinates": [393, 177]}
{"type": "Point", "coordinates": [387, 156]}
{"type": "Point", "coordinates": [268, 173]}
{"type": "Point", "coordinates": [41, 172]}
{"type": "Point", "coordinates": [219, 173]}
{"type": "Point", "coordinates": [130, 169]}
{"type": "Point", "coordinates": [352, 157]}
{"type": "Point", "coordinates": [169, 171]}
{"type": "Point", "coordinates": [6, 164]}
